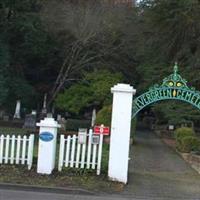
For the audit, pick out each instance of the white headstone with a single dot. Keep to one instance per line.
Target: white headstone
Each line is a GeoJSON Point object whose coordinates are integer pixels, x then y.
{"type": "Point", "coordinates": [2, 112]}
{"type": "Point", "coordinates": [120, 132]}
{"type": "Point", "coordinates": [93, 117]}
{"type": "Point", "coordinates": [45, 101]}
{"type": "Point", "coordinates": [44, 109]}
{"type": "Point", "coordinates": [17, 110]}
{"type": "Point", "coordinates": [47, 145]}
{"type": "Point", "coordinates": [49, 115]}
{"type": "Point", "coordinates": [63, 123]}
{"type": "Point", "coordinates": [59, 117]}
{"type": "Point", "coordinates": [33, 112]}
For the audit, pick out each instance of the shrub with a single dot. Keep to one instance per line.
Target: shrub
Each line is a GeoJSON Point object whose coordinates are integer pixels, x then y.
{"type": "Point", "coordinates": [104, 116]}
{"type": "Point", "coordinates": [183, 132]}
{"type": "Point", "coordinates": [186, 140]}
{"type": "Point", "coordinates": [188, 144]}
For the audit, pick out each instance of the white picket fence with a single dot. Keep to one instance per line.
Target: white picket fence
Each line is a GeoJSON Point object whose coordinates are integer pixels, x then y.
{"type": "Point", "coordinates": [75, 155]}
{"type": "Point", "coordinates": [16, 150]}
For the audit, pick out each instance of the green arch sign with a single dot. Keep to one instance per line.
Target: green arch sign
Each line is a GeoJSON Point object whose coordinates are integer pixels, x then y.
{"type": "Point", "coordinates": [173, 87]}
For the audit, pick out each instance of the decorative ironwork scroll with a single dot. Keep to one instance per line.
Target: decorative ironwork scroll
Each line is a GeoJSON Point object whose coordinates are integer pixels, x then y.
{"type": "Point", "coordinates": [172, 87]}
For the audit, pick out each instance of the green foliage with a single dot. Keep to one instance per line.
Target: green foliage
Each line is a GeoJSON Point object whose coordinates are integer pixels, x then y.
{"type": "Point", "coordinates": [105, 158]}
{"type": "Point", "coordinates": [25, 53]}
{"type": "Point", "coordinates": [104, 116]}
{"type": "Point", "coordinates": [174, 27]}
{"type": "Point", "coordinates": [21, 89]}
{"type": "Point", "coordinates": [183, 132]}
{"type": "Point", "coordinates": [74, 98]}
{"type": "Point", "coordinates": [141, 43]}
{"type": "Point", "coordinates": [169, 32]}
{"type": "Point", "coordinates": [4, 63]}
{"type": "Point", "coordinates": [13, 87]}
{"type": "Point", "coordinates": [75, 124]}
{"type": "Point", "coordinates": [186, 140]}
{"type": "Point", "coordinates": [77, 172]}
{"type": "Point", "coordinates": [10, 131]}
{"type": "Point", "coordinates": [100, 83]}
{"type": "Point", "coordinates": [188, 144]}
{"type": "Point", "coordinates": [93, 90]}
{"type": "Point", "coordinates": [175, 112]}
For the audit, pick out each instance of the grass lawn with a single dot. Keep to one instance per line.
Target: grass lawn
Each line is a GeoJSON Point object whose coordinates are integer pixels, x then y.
{"type": "Point", "coordinates": [14, 131]}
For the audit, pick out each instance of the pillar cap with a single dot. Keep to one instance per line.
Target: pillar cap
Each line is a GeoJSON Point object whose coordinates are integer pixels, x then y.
{"type": "Point", "coordinates": [48, 122]}
{"type": "Point", "coordinates": [122, 87]}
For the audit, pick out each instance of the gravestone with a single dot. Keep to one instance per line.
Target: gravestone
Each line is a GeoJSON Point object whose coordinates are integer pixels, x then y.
{"type": "Point", "coordinates": [61, 120]}
{"type": "Point", "coordinates": [43, 112]}
{"type": "Point", "coordinates": [62, 123]}
{"type": "Point", "coordinates": [59, 117]}
{"type": "Point", "coordinates": [93, 117]}
{"type": "Point", "coordinates": [34, 112]}
{"type": "Point", "coordinates": [30, 121]}
{"type": "Point", "coordinates": [2, 113]}
{"type": "Point", "coordinates": [6, 118]}
{"type": "Point", "coordinates": [49, 115]}
{"type": "Point", "coordinates": [17, 110]}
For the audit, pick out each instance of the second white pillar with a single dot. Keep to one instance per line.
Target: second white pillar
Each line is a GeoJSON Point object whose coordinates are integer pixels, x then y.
{"type": "Point", "coordinates": [120, 132]}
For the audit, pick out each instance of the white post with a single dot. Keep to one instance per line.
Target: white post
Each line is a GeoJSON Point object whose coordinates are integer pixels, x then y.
{"type": "Point", "coordinates": [120, 132]}
{"type": "Point", "coordinates": [89, 149]}
{"type": "Point", "coordinates": [61, 152]}
{"type": "Point", "coordinates": [47, 145]}
{"type": "Point", "coordinates": [30, 151]}
{"type": "Point", "coordinates": [99, 154]}
{"type": "Point", "coordinates": [17, 110]}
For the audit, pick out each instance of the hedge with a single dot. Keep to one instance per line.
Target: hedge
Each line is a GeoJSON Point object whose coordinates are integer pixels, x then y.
{"type": "Point", "coordinates": [186, 141]}
{"type": "Point", "coordinates": [183, 132]}
{"type": "Point", "coordinates": [188, 144]}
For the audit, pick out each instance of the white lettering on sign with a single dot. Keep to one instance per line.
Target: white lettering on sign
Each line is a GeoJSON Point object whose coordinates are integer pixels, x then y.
{"type": "Point", "coordinates": [101, 130]}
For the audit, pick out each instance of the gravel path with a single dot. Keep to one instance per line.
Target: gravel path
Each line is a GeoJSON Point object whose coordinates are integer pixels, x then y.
{"type": "Point", "coordinates": [157, 172]}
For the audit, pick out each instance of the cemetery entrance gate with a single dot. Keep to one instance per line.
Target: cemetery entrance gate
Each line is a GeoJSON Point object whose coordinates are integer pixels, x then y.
{"type": "Point", "coordinates": [124, 109]}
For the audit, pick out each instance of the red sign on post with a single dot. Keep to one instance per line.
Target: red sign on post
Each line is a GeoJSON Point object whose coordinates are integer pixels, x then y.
{"type": "Point", "coordinates": [101, 130]}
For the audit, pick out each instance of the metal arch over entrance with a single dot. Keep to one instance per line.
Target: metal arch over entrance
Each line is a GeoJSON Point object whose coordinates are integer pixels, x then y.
{"type": "Point", "coordinates": [173, 87]}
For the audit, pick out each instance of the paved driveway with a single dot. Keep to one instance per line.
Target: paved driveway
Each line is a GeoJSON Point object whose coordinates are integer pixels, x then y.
{"type": "Point", "coordinates": [157, 172]}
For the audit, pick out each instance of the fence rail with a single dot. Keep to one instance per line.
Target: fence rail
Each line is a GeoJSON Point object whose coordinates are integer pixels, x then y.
{"type": "Point", "coordinates": [16, 149]}
{"type": "Point", "coordinates": [76, 155]}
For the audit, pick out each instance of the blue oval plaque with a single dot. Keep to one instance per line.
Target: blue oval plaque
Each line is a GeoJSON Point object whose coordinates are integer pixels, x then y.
{"type": "Point", "coordinates": [46, 136]}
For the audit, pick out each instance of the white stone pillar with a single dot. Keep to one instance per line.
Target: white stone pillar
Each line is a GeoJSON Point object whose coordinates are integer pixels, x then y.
{"type": "Point", "coordinates": [47, 145]}
{"type": "Point", "coordinates": [94, 116]}
{"type": "Point", "coordinates": [120, 132]}
{"type": "Point", "coordinates": [17, 110]}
